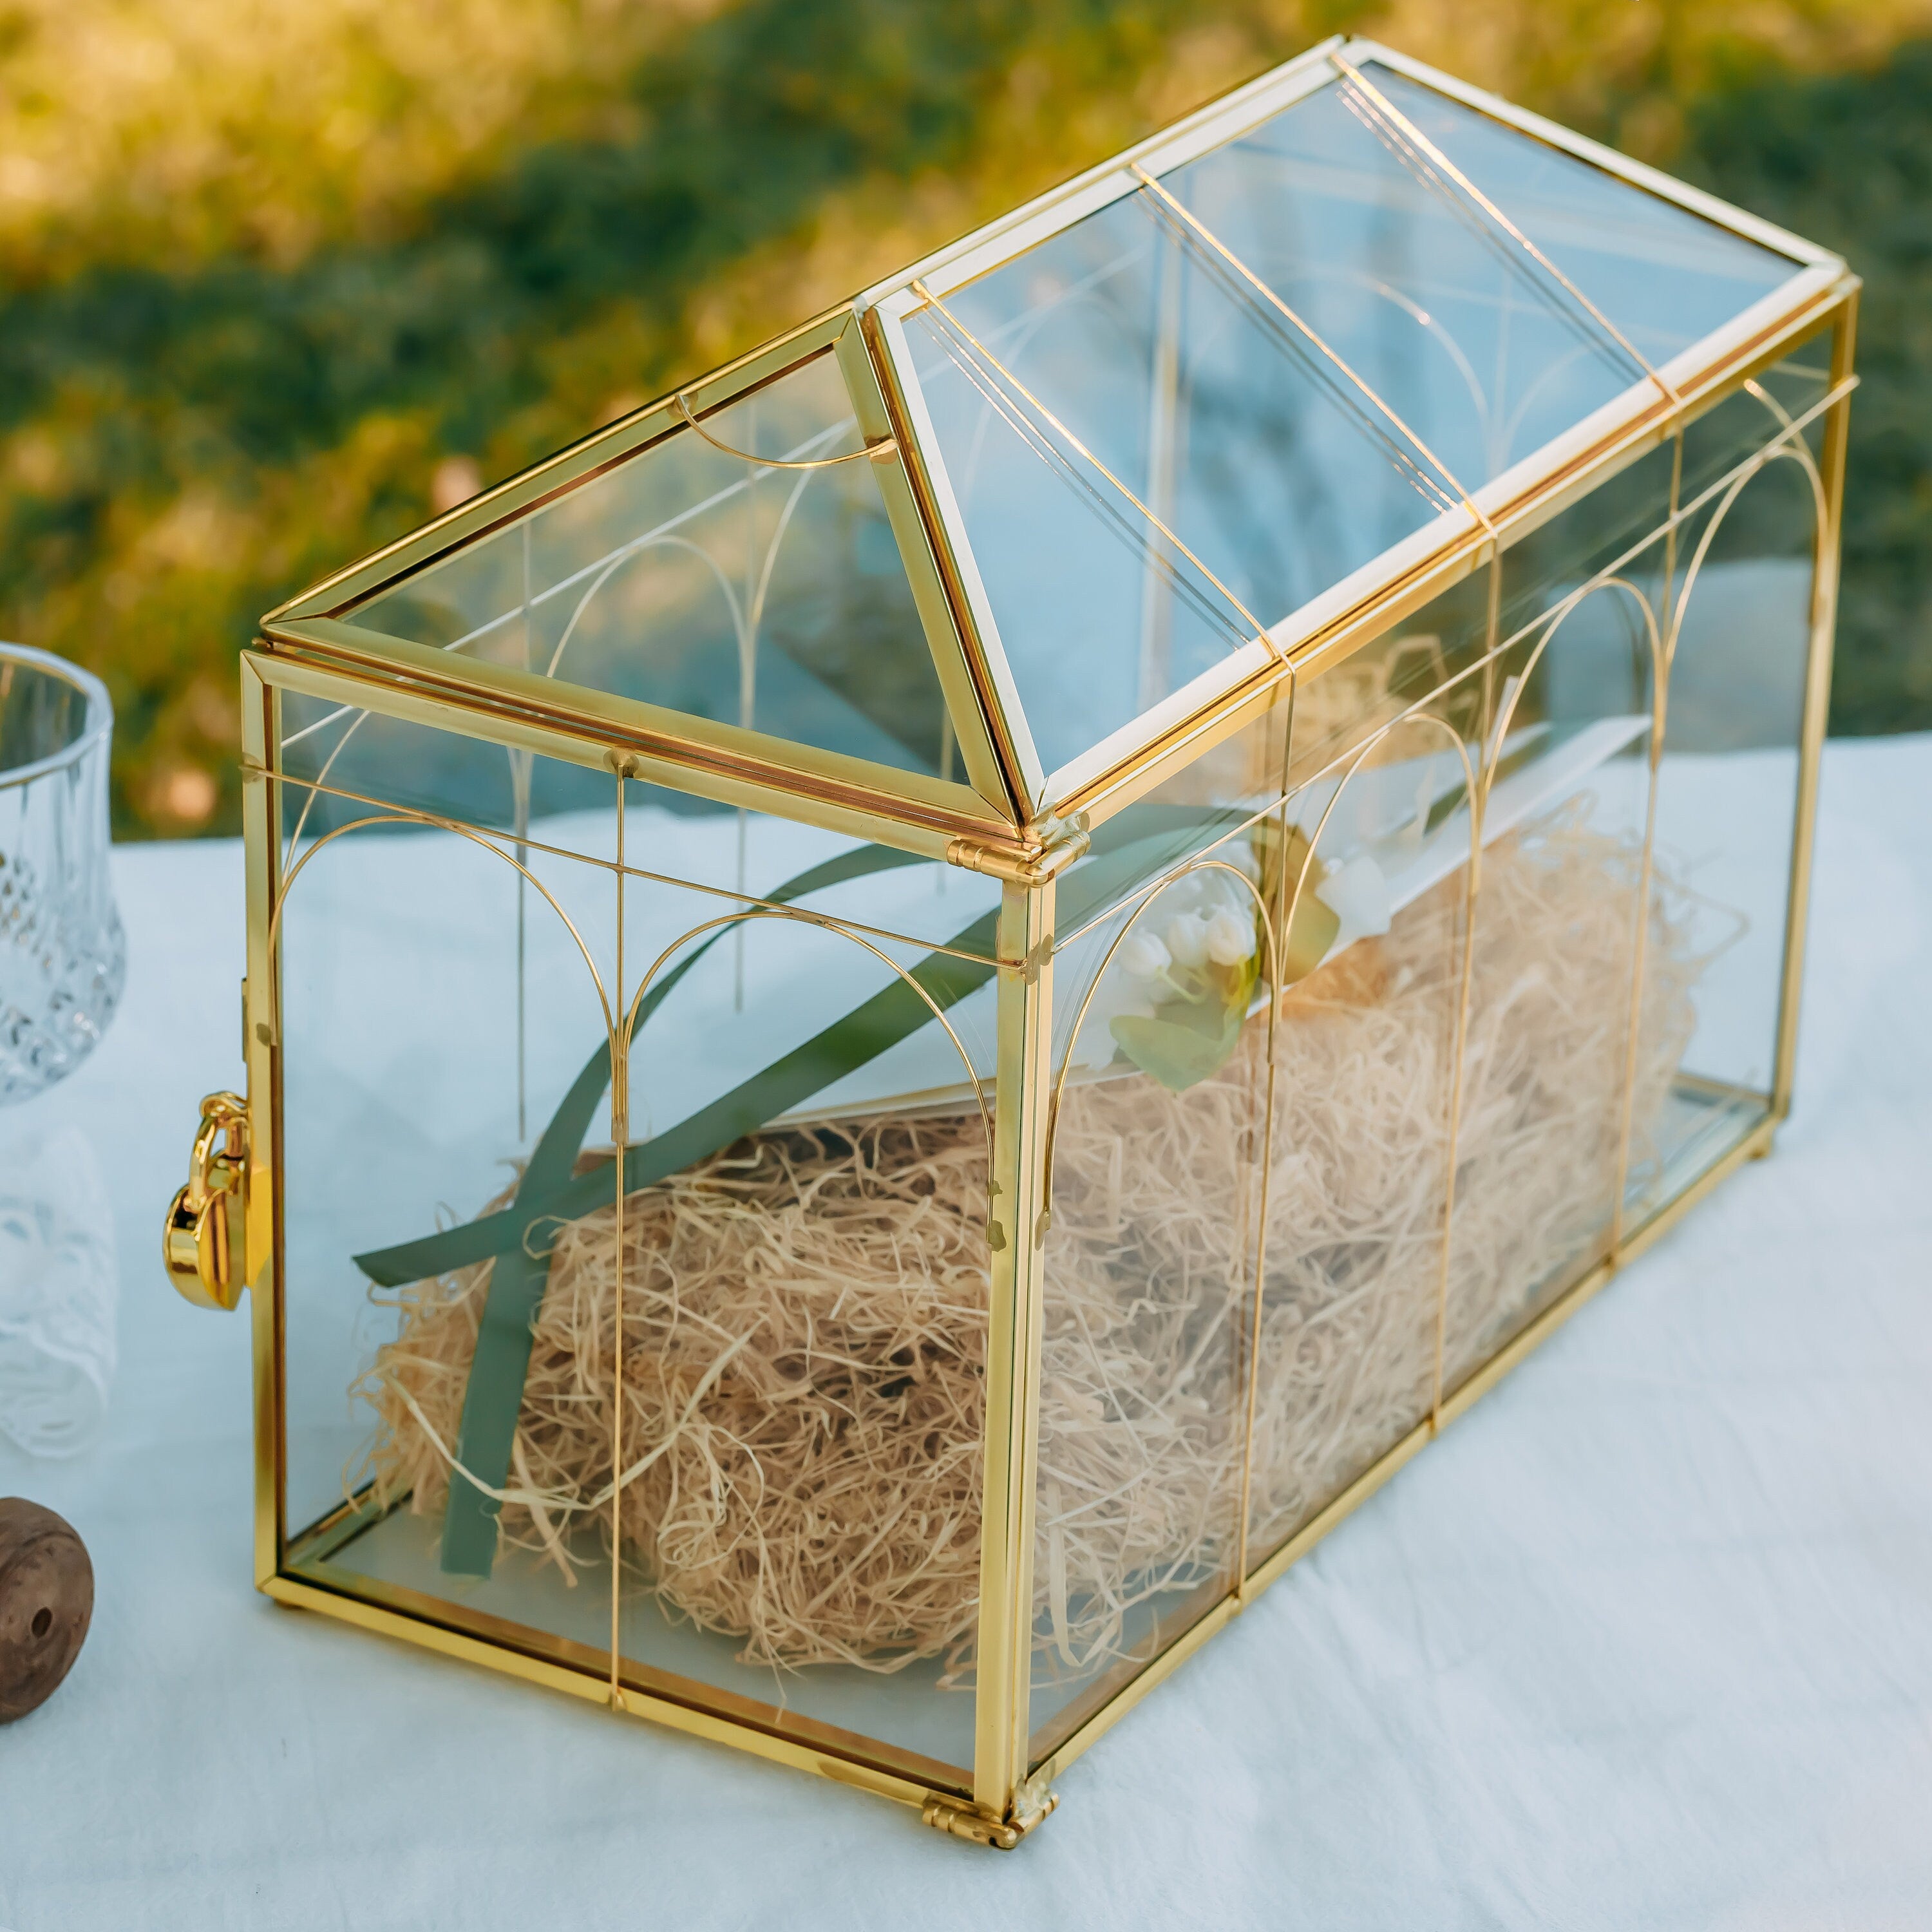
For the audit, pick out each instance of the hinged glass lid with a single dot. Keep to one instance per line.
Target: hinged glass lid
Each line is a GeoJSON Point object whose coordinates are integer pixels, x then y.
{"type": "Point", "coordinates": [979, 540]}
{"type": "Point", "coordinates": [1186, 415]}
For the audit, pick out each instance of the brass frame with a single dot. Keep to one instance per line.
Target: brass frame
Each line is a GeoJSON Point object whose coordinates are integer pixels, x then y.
{"type": "Point", "coordinates": [1010, 818]}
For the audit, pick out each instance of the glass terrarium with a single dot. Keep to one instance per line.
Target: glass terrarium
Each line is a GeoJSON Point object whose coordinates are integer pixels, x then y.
{"type": "Point", "coordinates": [909, 1016]}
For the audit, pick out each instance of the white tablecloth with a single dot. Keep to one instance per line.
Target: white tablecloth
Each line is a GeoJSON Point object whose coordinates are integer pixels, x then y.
{"type": "Point", "coordinates": [1645, 1640]}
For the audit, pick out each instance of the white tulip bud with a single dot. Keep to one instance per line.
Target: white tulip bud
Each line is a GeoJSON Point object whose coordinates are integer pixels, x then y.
{"type": "Point", "coordinates": [1187, 938]}
{"type": "Point", "coordinates": [1144, 955]}
{"type": "Point", "coordinates": [1231, 938]}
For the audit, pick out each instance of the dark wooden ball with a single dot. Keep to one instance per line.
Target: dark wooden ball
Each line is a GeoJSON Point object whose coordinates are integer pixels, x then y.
{"type": "Point", "coordinates": [46, 1601]}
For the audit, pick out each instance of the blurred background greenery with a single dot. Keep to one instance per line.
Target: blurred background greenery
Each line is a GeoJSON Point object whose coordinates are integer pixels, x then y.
{"type": "Point", "coordinates": [278, 281]}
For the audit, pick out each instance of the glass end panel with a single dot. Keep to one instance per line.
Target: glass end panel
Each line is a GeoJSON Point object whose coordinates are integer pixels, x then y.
{"type": "Point", "coordinates": [725, 585]}
{"type": "Point", "coordinates": [707, 1345]}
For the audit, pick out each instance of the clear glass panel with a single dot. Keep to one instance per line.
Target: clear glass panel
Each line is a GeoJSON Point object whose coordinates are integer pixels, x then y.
{"type": "Point", "coordinates": [1160, 1055]}
{"type": "Point", "coordinates": [1128, 337]}
{"type": "Point", "coordinates": [1665, 277]}
{"type": "Point", "coordinates": [686, 576]}
{"type": "Point", "coordinates": [1364, 1054]}
{"type": "Point", "coordinates": [1546, 1058]}
{"type": "Point", "coordinates": [412, 1068]}
{"type": "Point", "coordinates": [344, 756]}
{"type": "Point", "coordinates": [800, 1232]}
{"type": "Point", "coordinates": [1449, 321]}
{"type": "Point", "coordinates": [1726, 805]}
{"type": "Point", "coordinates": [804, 1325]}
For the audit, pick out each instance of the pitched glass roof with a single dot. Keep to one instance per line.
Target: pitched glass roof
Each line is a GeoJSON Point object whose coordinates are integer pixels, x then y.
{"type": "Point", "coordinates": [1242, 368]}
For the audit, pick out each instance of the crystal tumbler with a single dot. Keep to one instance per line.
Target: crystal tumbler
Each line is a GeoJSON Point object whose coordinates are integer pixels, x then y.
{"type": "Point", "coordinates": [63, 955]}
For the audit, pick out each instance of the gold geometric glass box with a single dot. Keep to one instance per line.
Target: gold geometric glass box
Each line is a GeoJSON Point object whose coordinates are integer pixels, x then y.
{"type": "Point", "coordinates": [911, 1016]}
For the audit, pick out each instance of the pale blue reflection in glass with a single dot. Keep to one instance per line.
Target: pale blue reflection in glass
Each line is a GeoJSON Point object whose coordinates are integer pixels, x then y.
{"type": "Point", "coordinates": [686, 576]}
{"type": "Point", "coordinates": [1665, 276]}
{"type": "Point", "coordinates": [1130, 337]}
{"type": "Point", "coordinates": [1483, 355]}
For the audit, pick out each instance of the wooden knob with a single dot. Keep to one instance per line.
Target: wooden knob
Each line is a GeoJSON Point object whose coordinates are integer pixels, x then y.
{"type": "Point", "coordinates": [46, 1601]}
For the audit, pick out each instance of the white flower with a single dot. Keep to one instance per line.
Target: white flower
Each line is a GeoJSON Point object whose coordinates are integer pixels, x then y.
{"type": "Point", "coordinates": [1231, 938]}
{"type": "Point", "coordinates": [1187, 938]}
{"type": "Point", "coordinates": [1144, 955]}
{"type": "Point", "coordinates": [1358, 895]}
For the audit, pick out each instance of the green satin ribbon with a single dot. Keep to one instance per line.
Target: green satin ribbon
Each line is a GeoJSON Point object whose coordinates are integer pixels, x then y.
{"type": "Point", "coordinates": [1142, 840]}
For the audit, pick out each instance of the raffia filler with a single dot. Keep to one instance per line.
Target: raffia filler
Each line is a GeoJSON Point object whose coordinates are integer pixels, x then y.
{"type": "Point", "coordinates": [804, 1316]}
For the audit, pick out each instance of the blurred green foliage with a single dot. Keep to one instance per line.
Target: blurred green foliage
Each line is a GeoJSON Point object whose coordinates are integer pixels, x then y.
{"type": "Point", "coordinates": [1846, 160]}
{"type": "Point", "coordinates": [205, 403]}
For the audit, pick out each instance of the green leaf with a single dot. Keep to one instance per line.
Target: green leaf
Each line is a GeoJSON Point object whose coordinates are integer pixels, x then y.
{"type": "Point", "coordinates": [1178, 1054]}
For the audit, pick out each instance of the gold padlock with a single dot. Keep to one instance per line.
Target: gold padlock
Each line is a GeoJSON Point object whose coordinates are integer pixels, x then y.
{"type": "Point", "coordinates": [202, 1242]}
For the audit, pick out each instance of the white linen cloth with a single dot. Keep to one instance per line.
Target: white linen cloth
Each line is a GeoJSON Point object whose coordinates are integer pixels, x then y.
{"type": "Point", "coordinates": [1645, 1640]}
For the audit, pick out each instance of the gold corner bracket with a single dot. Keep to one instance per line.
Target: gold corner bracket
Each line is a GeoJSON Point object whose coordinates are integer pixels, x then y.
{"type": "Point", "coordinates": [962, 1821]}
{"type": "Point", "coordinates": [202, 1242]}
{"type": "Point", "coordinates": [1045, 853]}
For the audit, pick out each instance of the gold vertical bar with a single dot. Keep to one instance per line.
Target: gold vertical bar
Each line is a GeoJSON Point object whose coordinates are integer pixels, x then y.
{"type": "Point", "coordinates": [1479, 799]}
{"type": "Point", "coordinates": [1278, 917]}
{"type": "Point", "coordinates": [1660, 696]}
{"type": "Point", "coordinates": [1016, 1235]}
{"type": "Point", "coordinates": [1817, 702]}
{"type": "Point", "coordinates": [620, 1133]}
{"type": "Point", "coordinates": [261, 844]}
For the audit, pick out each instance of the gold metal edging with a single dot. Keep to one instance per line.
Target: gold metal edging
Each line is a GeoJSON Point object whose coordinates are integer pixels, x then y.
{"type": "Point", "coordinates": [1016, 1235]}
{"type": "Point", "coordinates": [592, 1686]}
{"type": "Point", "coordinates": [1827, 542]}
{"type": "Point", "coordinates": [577, 463]}
{"type": "Point", "coordinates": [724, 764]}
{"type": "Point", "coordinates": [975, 726]}
{"type": "Point", "coordinates": [1754, 1145]}
{"type": "Point", "coordinates": [1135, 773]}
{"type": "Point", "coordinates": [995, 701]}
{"type": "Point", "coordinates": [261, 1055]}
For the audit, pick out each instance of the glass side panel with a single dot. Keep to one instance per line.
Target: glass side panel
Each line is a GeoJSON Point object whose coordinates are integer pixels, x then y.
{"type": "Point", "coordinates": [1159, 1057]}
{"type": "Point", "coordinates": [1726, 808]}
{"type": "Point", "coordinates": [1665, 276]}
{"type": "Point", "coordinates": [1364, 1058]}
{"type": "Point", "coordinates": [781, 1488]}
{"type": "Point", "coordinates": [1546, 1057]}
{"type": "Point", "coordinates": [1118, 379]}
{"type": "Point", "coordinates": [712, 584]}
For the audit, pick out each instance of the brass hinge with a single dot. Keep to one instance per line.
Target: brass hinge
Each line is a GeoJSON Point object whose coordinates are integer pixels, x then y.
{"type": "Point", "coordinates": [1042, 855]}
{"type": "Point", "coordinates": [961, 1821]}
{"type": "Point", "coordinates": [202, 1243]}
